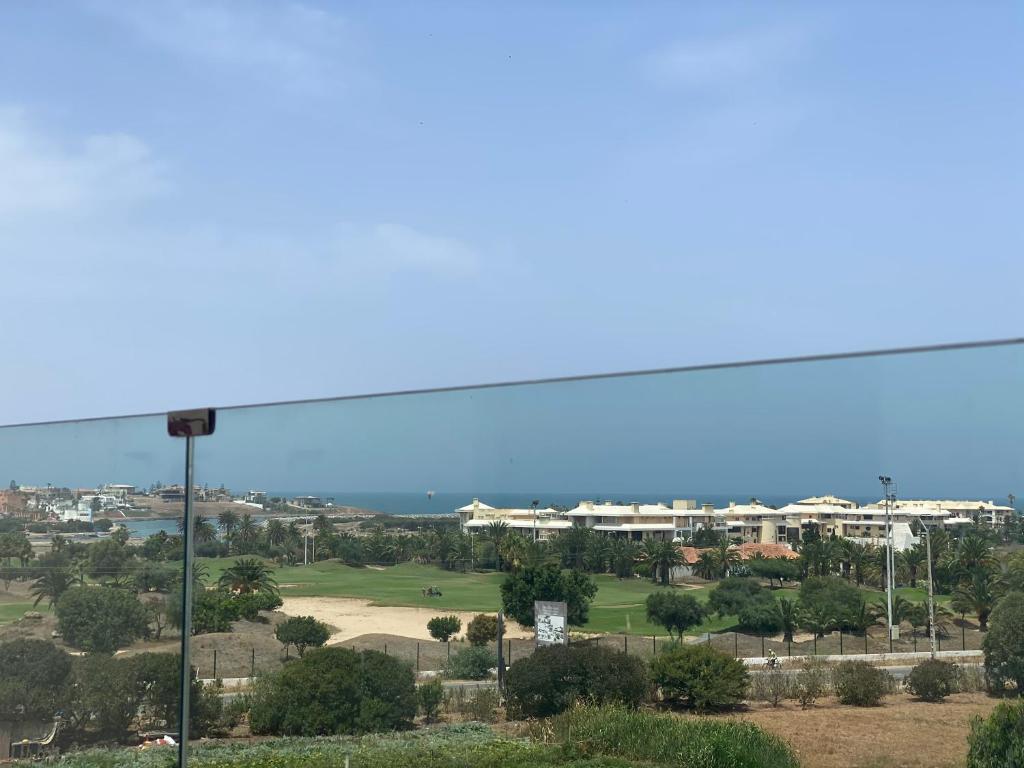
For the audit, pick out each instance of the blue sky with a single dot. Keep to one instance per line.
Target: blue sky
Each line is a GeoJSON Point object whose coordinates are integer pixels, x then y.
{"type": "Point", "coordinates": [235, 202]}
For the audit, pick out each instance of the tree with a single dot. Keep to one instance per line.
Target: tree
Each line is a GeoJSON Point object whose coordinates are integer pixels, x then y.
{"type": "Point", "coordinates": [15, 545]}
{"type": "Point", "coordinates": [495, 532]}
{"type": "Point", "coordinates": [789, 617]}
{"type": "Point", "coordinates": [674, 611]}
{"type": "Point", "coordinates": [1004, 643]}
{"type": "Point", "coordinates": [277, 533]}
{"type": "Point", "coordinates": [760, 615]}
{"type": "Point", "coordinates": [911, 560]}
{"type": "Point", "coordinates": [472, 663]}
{"type": "Point", "coordinates": [662, 557]}
{"type": "Point", "coordinates": [100, 619]}
{"type": "Point", "coordinates": [831, 597]}
{"type": "Point", "coordinates": [107, 560]}
{"type": "Point", "coordinates": [977, 594]}
{"type": "Point", "coordinates": [998, 741]}
{"type": "Point", "coordinates": [50, 585]}
{"type": "Point", "coordinates": [303, 632]}
{"type": "Point", "coordinates": [228, 522]}
{"type": "Point", "coordinates": [482, 629]}
{"type": "Point", "coordinates": [706, 567]}
{"type": "Point", "coordinates": [732, 594]}
{"type": "Point", "coordinates": [547, 582]}
{"type": "Point", "coordinates": [700, 677]}
{"type": "Point", "coordinates": [246, 534]}
{"type": "Point", "coordinates": [335, 691]}
{"type": "Point", "coordinates": [443, 627]}
{"type": "Point", "coordinates": [772, 568]}
{"type": "Point", "coordinates": [33, 679]}
{"type": "Point", "coordinates": [725, 558]}
{"type": "Point", "coordinates": [933, 680]}
{"type": "Point", "coordinates": [430, 695]}
{"type": "Point", "coordinates": [249, 575]}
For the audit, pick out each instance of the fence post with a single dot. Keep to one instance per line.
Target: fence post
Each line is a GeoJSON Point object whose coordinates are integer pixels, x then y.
{"type": "Point", "coordinates": [385, 649]}
{"type": "Point", "coordinates": [963, 636]}
{"type": "Point", "coordinates": [815, 644]}
{"type": "Point", "coordinates": [736, 644]}
{"type": "Point", "coordinates": [915, 641]}
{"type": "Point", "coordinates": [214, 663]}
{"type": "Point", "coordinates": [449, 650]}
{"type": "Point", "coordinates": [252, 664]}
{"type": "Point", "coordinates": [417, 656]}
{"type": "Point", "coordinates": [889, 630]}
{"type": "Point", "coordinates": [509, 659]}
{"type": "Point", "coordinates": [762, 646]}
{"type": "Point", "coordinates": [840, 642]}
{"type": "Point", "coordinates": [938, 637]}
{"type": "Point", "coordinates": [789, 651]}
{"type": "Point", "coordinates": [654, 645]}
{"type": "Point", "coordinates": [709, 638]}
{"type": "Point", "coordinates": [625, 642]}
{"type": "Point", "coordinates": [865, 641]}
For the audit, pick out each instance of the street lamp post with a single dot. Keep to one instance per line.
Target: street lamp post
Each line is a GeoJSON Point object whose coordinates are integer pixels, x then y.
{"type": "Point", "coordinates": [931, 588]}
{"type": "Point", "coordinates": [890, 560]}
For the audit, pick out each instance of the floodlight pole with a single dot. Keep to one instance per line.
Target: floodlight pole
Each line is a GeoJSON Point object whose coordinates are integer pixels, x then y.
{"type": "Point", "coordinates": [931, 588]}
{"type": "Point", "coordinates": [889, 558]}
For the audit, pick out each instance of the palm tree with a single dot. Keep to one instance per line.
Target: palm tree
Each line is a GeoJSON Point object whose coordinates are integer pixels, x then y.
{"type": "Point", "coordinates": [972, 553]}
{"type": "Point", "coordinates": [789, 614]}
{"type": "Point", "coordinates": [978, 595]}
{"type": "Point", "coordinates": [228, 522]}
{"type": "Point", "coordinates": [276, 532]}
{"type": "Point", "coordinates": [860, 556]}
{"type": "Point", "coordinates": [623, 554]}
{"type": "Point", "coordinates": [573, 544]}
{"type": "Point", "coordinates": [249, 575]}
{"type": "Point", "coordinates": [51, 584]}
{"type": "Point", "coordinates": [495, 532]}
{"type": "Point", "coordinates": [725, 558]}
{"type": "Point", "coordinates": [864, 616]}
{"type": "Point", "coordinates": [247, 533]}
{"type": "Point", "coordinates": [911, 560]}
{"type": "Point", "coordinates": [706, 566]}
{"type": "Point", "coordinates": [819, 619]}
{"type": "Point", "coordinates": [514, 550]}
{"type": "Point", "coordinates": [662, 556]}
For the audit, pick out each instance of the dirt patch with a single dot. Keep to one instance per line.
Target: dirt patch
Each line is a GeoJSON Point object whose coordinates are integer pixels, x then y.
{"type": "Point", "coordinates": [902, 733]}
{"type": "Point", "coordinates": [354, 617]}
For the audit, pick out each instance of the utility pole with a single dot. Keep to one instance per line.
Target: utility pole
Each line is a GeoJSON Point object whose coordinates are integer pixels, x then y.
{"type": "Point", "coordinates": [534, 504]}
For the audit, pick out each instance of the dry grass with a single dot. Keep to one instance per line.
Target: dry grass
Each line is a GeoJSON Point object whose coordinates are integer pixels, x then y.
{"type": "Point", "coordinates": [903, 733]}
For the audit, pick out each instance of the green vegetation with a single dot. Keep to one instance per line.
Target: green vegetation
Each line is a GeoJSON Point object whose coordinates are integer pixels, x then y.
{"type": "Point", "coordinates": [933, 680]}
{"type": "Point", "coordinates": [998, 742]}
{"type": "Point", "coordinates": [482, 629]}
{"type": "Point", "coordinates": [700, 677]}
{"type": "Point", "coordinates": [101, 619]}
{"type": "Point", "coordinates": [675, 611]}
{"type": "Point", "coordinates": [430, 696]}
{"type": "Point", "coordinates": [303, 632]}
{"type": "Point", "coordinates": [1004, 644]}
{"type": "Point", "coordinates": [555, 677]}
{"type": "Point", "coordinates": [443, 628]}
{"type": "Point", "coordinates": [654, 739]}
{"type": "Point", "coordinates": [860, 684]}
{"type": "Point", "coordinates": [520, 590]}
{"type": "Point", "coordinates": [471, 663]}
{"type": "Point", "coordinates": [335, 691]}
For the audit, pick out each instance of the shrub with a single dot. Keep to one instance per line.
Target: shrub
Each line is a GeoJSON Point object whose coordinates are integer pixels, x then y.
{"type": "Point", "coordinates": [731, 595]}
{"type": "Point", "coordinates": [553, 678]}
{"type": "Point", "coordinates": [811, 682]}
{"type": "Point", "coordinates": [830, 596]}
{"type": "Point", "coordinates": [674, 611]}
{"type": "Point", "coordinates": [33, 677]}
{"type": "Point", "coordinates": [1004, 643]}
{"type": "Point", "coordinates": [483, 705]}
{"type": "Point", "coordinates": [430, 695]}
{"type": "Point", "coordinates": [700, 677]}
{"type": "Point", "coordinates": [483, 629]}
{"type": "Point", "coordinates": [335, 691]}
{"type": "Point", "coordinates": [652, 739]}
{"type": "Point", "coordinates": [547, 582]}
{"type": "Point", "coordinates": [472, 663]}
{"type": "Point", "coordinates": [860, 684]}
{"type": "Point", "coordinates": [933, 680]}
{"type": "Point", "coordinates": [761, 615]}
{"type": "Point", "coordinates": [443, 627]}
{"type": "Point", "coordinates": [213, 610]}
{"type": "Point", "coordinates": [772, 686]}
{"type": "Point", "coordinates": [100, 619]}
{"type": "Point", "coordinates": [998, 741]}
{"type": "Point", "coordinates": [303, 632]}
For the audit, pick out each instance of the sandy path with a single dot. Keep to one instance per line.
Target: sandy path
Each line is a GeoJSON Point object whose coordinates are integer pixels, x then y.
{"type": "Point", "coordinates": [352, 617]}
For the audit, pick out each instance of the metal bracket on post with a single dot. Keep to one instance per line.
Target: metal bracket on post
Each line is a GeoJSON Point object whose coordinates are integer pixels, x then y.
{"type": "Point", "coordinates": [190, 425]}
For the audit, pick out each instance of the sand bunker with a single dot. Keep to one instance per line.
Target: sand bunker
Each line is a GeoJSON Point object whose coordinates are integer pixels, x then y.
{"type": "Point", "coordinates": [352, 617]}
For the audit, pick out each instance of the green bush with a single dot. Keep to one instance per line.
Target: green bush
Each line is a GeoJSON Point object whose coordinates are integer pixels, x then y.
{"type": "Point", "coordinates": [335, 691]}
{"type": "Point", "coordinates": [471, 663]}
{"type": "Point", "coordinates": [811, 682]}
{"type": "Point", "coordinates": [483, 629]}
{"type": "Point", "coordinates": [33, 678]}
{"type": "Point", "coordinates": [933, 680]}
{"type": "Point", "coordinates": [1004, 643]}
{"type": "Point", "coordinates": [101, 619]}
{"type": "Point", "coordinates": [731, 595]}
{"type": "Point", "coordinates": [430, 695]}
{"type": "Point", "coordinates": [831, 597]}
{"type": "Point", "coordinates": [303, 632]}
{"type": "Point", "coordinates": [860, 684]}
{"type": "Point", "coordinates": [547, 582]}
{"type": "Point", "coordinates": [998, 741]}
{"type": "Point", "coordinates": [674, 611]}
{"type": "Point", "coordinates": [700, 677]}
{"type": "Point", "coordinates": [554, 678]}
{"type": "Point", "coordinates": [761, 615]}
{"type": "Point", "coordinates": [443, 628]}
{"type": "Point", "coordinates": [653, 739]}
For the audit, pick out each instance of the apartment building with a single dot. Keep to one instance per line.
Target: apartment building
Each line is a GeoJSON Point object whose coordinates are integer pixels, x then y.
{"type": "Point", "coordinates": [753, 522]}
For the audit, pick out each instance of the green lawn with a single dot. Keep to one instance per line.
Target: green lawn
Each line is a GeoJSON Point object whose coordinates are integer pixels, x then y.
{"type": "Point", "coordinates": [12, 610]}
{"type": "Point", "coordinates": [617, 608]}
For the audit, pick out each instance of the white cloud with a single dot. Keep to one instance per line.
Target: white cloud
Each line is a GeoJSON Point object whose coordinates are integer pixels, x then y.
{"type": "Point", "coordinates": [295, 44]}
{"type": "Point", "coordinates": [724, 61]}
{"type": "Point", "coordinates": [40, 174]}
{"type": "Point", "coordinates": [392, 247]}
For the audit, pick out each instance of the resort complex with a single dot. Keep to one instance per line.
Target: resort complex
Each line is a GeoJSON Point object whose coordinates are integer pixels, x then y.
{"type": "Point", "coordinates": [752, 522]}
